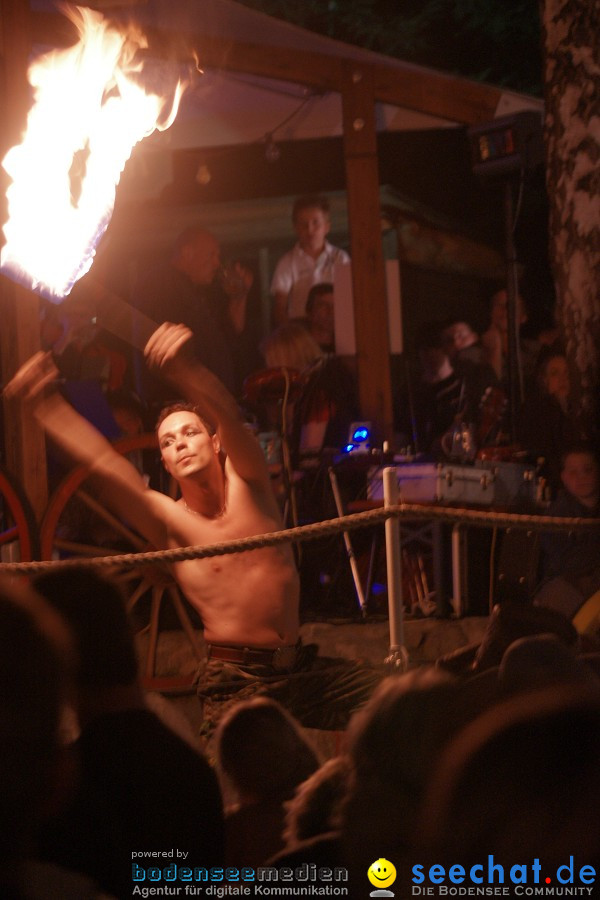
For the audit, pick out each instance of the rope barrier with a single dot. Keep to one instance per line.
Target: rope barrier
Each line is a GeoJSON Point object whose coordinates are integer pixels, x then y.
{"type": "Point", "coordinates": [481, 518]}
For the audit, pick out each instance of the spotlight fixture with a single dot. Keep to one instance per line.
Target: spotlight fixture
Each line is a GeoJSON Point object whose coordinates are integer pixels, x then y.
{"type": "Point", "coordinates": [359, 438]}
{"type": "Point", "coordinates": [507, 144]}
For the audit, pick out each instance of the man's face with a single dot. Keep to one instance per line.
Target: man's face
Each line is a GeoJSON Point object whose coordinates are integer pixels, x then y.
{"type": "Point", "coordinates": [322, 313]}
{"type": "Point", "coordinates": [202, 259]}
{"type": "Point", "coordinates": [457, 337]}
{"type": "Point", "coordinates": [556, 378]}
{"type": "Point", "coordinates": [312, 227]}
{"type": "Point", "coordinates": [186, 446]}
{"type": "Point", "coordinates": [580, 476]}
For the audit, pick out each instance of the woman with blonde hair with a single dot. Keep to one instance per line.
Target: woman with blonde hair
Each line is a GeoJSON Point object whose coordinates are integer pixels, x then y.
{"type": "Point", "coordinates": [326, 405]}
{"type": "Point", "coordinates": [292, 346]}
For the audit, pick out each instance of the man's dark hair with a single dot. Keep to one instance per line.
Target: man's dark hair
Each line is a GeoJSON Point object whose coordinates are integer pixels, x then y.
{"type": "Point", "coordinates": [34, 666]}
{"type": "Point", "coordinates": [582, 447]}
{"type": "Point", "coordinates": [184, 406]}
{"type": "Point", "coordinates": [189, 236]}
{"type": "Point", "coordinates": [310, 201]}
{"type": "Point", "coordinates": [429, 337]}
{"type": "Point", "coordinates": [316, 291]}
{"type": "Point", "coordinates": [94, 609]}
{"type": "Point", "coordinates": [262, 749]}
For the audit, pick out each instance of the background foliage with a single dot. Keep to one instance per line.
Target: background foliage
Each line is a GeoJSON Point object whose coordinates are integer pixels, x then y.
{"type": "Point", "coordinates": [498, 41]}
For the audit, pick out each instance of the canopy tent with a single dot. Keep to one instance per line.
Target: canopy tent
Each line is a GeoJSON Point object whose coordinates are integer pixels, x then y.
{"type": "Point", "coordinates": [262, 78]}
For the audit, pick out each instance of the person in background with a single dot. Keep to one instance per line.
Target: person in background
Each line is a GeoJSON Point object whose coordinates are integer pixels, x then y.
{"type": "Point", "coordinates": [310, 261]}
{"type": "Point", "coordinates": [547, 423]}
{"type": "Point", "coordinates": [461, 342]}
{"type": "Point", "coordinates": [327, 403]}
{"type": "Point", "coordinates": [183, 288]}
{"type": "Point", "coordinates": [236, 305]}
{"type": "Point", "coordinates": [320, 316]}
{"type": "Point", "coordinates": [520, 782]}
{"type": "Point", "coordinates": [571, 560]}
{"type": "Point", "coordinates": [496, 344]}
{"type": "Point", "coordinates": [140, 785]}
{"type": "Point", "coordinates": [393, 743]}
{"type": "Point", "coordinates": [263, 755]}
{"type": "Point", "coordinates": [36, 769]}
{"type": "Point", "coordinates": [315, 808]}
{"type": "Point", "coordinates": [444, 398]}
{"type": "Point", "coordinates": [33, 689]}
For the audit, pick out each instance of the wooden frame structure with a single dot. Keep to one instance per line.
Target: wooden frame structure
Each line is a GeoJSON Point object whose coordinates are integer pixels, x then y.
{"type": "Point", "coordinates": [360, 82]}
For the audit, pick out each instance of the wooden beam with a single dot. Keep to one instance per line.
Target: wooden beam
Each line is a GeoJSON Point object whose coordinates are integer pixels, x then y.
{"type": "Point", "coordinates": [435, 93]}
{"type": "Point", "coordinates": [400, 84]}
{"type": "Point", "coordinates": [368, 269]}
{"type": "Point", "coordinates": [424, 245]}
{"type": "Point", "coordinates": [25, 450]}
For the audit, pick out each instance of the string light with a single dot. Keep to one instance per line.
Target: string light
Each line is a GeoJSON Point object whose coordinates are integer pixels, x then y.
{"type": "Point", "coordinates": [203, 175]}
{"type": "Point", "coordinates": [272, 151]}
{"type": "Point", "coordinates": [272, 148]}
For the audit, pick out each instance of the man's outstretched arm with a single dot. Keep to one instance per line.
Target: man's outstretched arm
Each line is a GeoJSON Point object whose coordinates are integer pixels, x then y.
{"type": "Point", "coordinates": [123, 487]}
{"type": "Point", "coordinates": [166, 352]}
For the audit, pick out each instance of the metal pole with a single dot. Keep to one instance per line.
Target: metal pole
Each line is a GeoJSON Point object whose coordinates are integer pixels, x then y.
{"type": "Point", "coordinates": [398, 655]}
{"type": "Point", "coordinates": [348, 544]}
{"type": "Point", "coordinates": [515, 379]}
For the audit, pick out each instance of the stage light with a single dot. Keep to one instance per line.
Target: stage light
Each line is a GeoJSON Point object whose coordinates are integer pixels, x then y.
{"type": "Point", "coordinates": [359, 437]}
{"type": "Point", "coordinates": [507, 144]}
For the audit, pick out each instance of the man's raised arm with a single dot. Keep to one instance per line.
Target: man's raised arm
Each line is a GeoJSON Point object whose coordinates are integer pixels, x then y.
{"type": "Point", "coordinates": [123, 486]}
{"type": "Point", "coordinates": [166, 352]}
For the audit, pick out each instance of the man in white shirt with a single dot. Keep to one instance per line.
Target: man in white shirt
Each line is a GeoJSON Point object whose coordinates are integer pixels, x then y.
{"type": "Point", "coordinates": [310, 261]}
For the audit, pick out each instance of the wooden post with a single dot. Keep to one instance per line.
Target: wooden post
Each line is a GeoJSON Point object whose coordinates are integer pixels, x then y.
{"type": "Point", "coordinates": [398, 655]}
{"type": "Point", "coordinates": [25, 450]}
{"type": "Point", "coordinates": [368, 268]}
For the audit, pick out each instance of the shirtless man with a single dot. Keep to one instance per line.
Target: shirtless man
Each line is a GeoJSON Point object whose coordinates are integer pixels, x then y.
{"type": "Point", "coordinates": [248, 601]}
{"type": "Point", "coordinates": [245, 600]}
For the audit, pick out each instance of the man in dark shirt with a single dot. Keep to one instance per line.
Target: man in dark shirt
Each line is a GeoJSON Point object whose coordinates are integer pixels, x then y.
{"type": "Point", "coordinates": [571, 560]}
{"type": "Point", "coordinates": [445, 395]}
{"type": "Point", "coordinates": [185, 289]}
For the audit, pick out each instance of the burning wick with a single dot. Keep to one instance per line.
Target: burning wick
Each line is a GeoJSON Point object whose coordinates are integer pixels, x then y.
{"type": "Point", "coordinates": [90, 110]}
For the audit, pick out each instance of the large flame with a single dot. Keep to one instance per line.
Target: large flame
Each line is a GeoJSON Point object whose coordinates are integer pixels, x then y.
{"type": "Point", "coordinates": [89, 111]}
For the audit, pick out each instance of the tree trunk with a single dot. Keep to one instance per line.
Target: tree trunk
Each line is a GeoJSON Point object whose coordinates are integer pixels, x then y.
{"type": "Point", "coordinates": [572, 88]}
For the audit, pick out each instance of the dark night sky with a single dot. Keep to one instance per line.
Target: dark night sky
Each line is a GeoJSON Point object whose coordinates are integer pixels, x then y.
{"type": "Point", "coordinates": [498, 41]}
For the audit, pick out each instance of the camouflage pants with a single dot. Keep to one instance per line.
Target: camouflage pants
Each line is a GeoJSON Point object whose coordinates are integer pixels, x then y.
{"type": "Point", "coordinates": [320, 692]}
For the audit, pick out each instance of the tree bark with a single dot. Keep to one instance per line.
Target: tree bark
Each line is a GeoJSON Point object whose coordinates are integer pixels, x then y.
{"type": "Point", "coordinates": [572, 131]}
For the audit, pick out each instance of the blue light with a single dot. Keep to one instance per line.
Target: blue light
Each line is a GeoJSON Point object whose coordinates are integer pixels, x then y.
{"type": "Point", "coordinates": [361, 434]}
{"type": "Point", "coordinates": [348, 448]}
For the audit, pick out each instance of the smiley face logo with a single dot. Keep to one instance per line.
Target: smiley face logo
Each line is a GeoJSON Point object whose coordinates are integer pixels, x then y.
{"type": "Point", "coordinates": [382, 873]}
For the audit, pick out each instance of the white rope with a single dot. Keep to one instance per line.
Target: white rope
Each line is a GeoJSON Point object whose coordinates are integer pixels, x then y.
{"type": "Point", "coordinates": [479, 518]}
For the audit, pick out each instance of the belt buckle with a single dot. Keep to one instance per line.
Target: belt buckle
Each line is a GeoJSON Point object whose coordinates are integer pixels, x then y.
{"type": "Point", "coordinates": [284, 657]}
